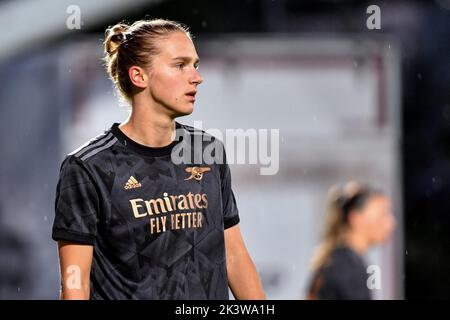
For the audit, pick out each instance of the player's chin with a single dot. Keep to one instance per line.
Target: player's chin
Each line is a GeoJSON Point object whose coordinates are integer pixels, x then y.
{"type": "Point", "coordinates": [381, 239]}
{"type": "Point", "coordinates": [184, 109]}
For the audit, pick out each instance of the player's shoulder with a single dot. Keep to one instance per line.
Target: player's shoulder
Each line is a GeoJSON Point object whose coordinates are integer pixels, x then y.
{"type": "Point", "coordinates": [193, 132]}
{"type": "Point", "coordinates": [343, 262]}
{"type": "Point", "coordinates": [94, 146]}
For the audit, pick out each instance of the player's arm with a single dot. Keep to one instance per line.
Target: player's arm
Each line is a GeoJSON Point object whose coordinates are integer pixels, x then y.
{"type": "Point", "coordinates": [75, 262]}
{"type": "Point", "coordinates": [243, 278]}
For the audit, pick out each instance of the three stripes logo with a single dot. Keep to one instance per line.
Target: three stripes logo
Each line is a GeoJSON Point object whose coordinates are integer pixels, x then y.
{"type": "Point", "coordinates": [132, 183]}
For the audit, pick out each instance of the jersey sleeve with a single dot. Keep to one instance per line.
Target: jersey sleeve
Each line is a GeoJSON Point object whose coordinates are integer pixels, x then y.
{"type": "Point", "coordinates": [76, 204]}
{"type": "Point", "coordinates": [230, 209]}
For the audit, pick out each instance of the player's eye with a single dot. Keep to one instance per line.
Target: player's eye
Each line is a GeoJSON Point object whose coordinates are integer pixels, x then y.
{"type": "Point", "coordinates": [179, 65]}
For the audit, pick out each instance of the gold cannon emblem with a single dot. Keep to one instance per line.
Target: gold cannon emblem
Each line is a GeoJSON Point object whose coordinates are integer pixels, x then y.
{"type": "Point", "coordinates": [196, 172]}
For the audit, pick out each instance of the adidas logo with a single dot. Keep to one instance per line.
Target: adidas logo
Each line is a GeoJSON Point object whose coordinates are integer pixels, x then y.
{"type": "Point", "coordinates": [132, 183]}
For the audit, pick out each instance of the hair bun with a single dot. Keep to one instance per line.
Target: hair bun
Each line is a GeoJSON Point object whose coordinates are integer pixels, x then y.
{"type": "Point", "coordinates": [114, 37]}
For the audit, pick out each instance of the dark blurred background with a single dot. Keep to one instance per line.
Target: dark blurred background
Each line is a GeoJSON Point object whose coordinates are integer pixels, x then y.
{"type": "Point", "coordinates": [421, 29]}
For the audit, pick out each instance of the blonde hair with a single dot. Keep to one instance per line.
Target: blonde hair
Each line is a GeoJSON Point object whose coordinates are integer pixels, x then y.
{"type": "Point", "coordinates": [134, 45]}
{"type": "Point", "coordinates": [341, 201]}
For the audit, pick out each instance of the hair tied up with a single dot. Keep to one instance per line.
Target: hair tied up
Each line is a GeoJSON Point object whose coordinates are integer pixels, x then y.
{"type": "Point", "coordinates": [115, 36]}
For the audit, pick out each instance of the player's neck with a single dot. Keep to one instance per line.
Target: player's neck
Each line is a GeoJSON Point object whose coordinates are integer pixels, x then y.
{"type": "Point", "coordinates": [357, 242]}
{"type": "Point", "coordinates": [149, 128]}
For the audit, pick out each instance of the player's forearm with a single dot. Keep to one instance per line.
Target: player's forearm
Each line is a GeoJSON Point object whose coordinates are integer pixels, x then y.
{"type": "Point", "coordinates": [243, 278]}
{"type": "Point", "coordinates": [75, 263]}
{"type": "Point", "coordinates": [80, 295]}
{"type": "Point", "coordinates": [76, 294]}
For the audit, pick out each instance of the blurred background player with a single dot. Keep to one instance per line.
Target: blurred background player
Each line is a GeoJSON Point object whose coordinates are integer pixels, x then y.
{"type": "Point", "coordinates": [358, 217]}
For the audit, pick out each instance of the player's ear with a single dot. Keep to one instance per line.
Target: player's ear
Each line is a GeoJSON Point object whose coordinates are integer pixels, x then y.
{"type": "Point", "coordinates": [138, 76]}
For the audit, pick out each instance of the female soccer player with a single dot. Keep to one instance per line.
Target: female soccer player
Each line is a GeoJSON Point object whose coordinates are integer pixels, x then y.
{"type": "Point", "coordinates": [358, 217]}
{"type": "Point", "coordinates": [132, 224]}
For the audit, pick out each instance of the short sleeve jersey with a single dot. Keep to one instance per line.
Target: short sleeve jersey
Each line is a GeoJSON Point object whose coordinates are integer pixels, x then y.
{"type": "Point", "coordinates": [156, 225]}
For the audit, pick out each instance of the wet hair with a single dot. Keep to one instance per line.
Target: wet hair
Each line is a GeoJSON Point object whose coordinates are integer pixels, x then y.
{"type": "Point", "coordinates": [342, 200]}
{"type": "Point", "coordinates": [134, 45]}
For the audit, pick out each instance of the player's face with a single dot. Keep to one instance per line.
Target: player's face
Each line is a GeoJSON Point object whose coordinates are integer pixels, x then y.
{"type": "Point", "coordinates": [378, 219]}
{"type": "Point", "coordinates": [173, 75]}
